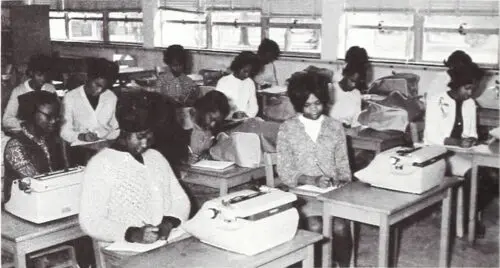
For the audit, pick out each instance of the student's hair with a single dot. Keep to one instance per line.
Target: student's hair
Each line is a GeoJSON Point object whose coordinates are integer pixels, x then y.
{"type": "Point", "coordinates": [30, 102]}
{"type": "Point", "coordinates": [302, 84]}
{"type": "Point", "coordinates": [356, 56]}
{"type": "Point", "coordinates": [243, 59]}
{"type": "Point", "coordinates": [39, 63]}
{"type": "Point", "coordinates": [458, 58]}
{"type": "Point", "coordinates": [175, 52]}
{"type": "Point", "coordinates": [268, 45]}
{"type": "Point", "coordinates": [213, 101]}
{"type": "Point", "coordinates": [133, 112]}
{"type": "Point", "coordinates": [101, 68]}
{"type": "Point", "coordinates": [351, 69]}
{"type": "Point", "coordinates": [464, 74]}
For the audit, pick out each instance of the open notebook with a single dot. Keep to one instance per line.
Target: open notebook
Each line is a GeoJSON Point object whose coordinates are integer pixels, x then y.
{"type": "Point", "coordinates": [175, 235]}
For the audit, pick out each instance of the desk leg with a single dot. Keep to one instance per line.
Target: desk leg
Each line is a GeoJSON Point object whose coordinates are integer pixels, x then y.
{"type": "Point", "coordinates": [473, 201]}
{"type": "Point", "coordinates": [327, 245]}
{"type": "Point", "coordinates": [223, 188]}
{"type": "Point", "coordinates": [308, 262]}
{"type": "Point", "coordinates": [19, 258]}
{"type": "Point", "coordinates": [383, 241]}
{"type": "Point", "coordinates": [445, 229]}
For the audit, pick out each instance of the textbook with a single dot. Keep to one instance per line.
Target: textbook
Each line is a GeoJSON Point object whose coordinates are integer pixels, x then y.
{"type": "Point", "coordinates": [176, 234]}
{"type": "Point", "coordinates": [213, 165]}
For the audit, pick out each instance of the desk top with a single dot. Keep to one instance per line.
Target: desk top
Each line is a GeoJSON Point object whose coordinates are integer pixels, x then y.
{"type": "Point", "coordinates": [191, 252]}
{"type": "Point", "coordinates": [360, 195]}
{"type": "Point", "coordinates": [227, 174]}
{"type": "Point", "coordinates": [373, 135]}
{"type": "Point", "coordinates": [18, 230]}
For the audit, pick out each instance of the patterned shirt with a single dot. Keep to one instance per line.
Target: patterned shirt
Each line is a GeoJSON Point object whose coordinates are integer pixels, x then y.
{"type": "Point", "coordinates": [182, 89]}
{"type": "Point", "coordinates": [299, 155]}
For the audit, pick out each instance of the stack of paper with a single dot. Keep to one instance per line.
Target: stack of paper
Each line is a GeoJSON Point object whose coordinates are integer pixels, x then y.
{"type": "Point", "coordinates": [312, 190]}
{"type": "Point", "coordinates": [213, 165]}
{"type": "Point", "coordinates": [176, 235]}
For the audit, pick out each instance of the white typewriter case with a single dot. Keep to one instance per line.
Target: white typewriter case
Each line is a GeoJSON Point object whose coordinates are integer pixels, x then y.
{"type": "Point", "coordinates": [413, 170]}
{"type": "Point", "coordinates": [47, 197]}
{"type": "Point", "coordinates": [246, 222]}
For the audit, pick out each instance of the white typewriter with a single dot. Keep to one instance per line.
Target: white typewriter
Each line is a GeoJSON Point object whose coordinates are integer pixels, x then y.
{"type": "Point", "coordinates": [246, 222]}
{"type": "Point", "coordinates": [47, 197]}
{"type": "Point", "coordinates": [413, 170]}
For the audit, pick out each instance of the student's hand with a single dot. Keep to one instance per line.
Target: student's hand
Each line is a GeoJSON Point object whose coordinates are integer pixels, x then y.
{"type": "Point", "coordinates": [147, 234]}
{"type": "Point", "coordinates": [452, 141]}
{"type": "Point", "coordinates": [164, 230]}
{"type": "Point", "coordinates": [88, 136]}
{"type": "Point", "coordinates": [323, 182]}
{"type": "Point", "coordinates": [468, 142]}
{"type": "Point", "coordinates": [239, 115]}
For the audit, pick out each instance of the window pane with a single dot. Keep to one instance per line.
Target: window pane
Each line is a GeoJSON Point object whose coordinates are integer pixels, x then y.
{"type": "Point", "coordinates": [373, 18]}
{"type": "Point", "coordinates": [388, 44]}
{"type": "Point", "coordinates": [482, 48]}
{"type": "Point", "coordinates": [453, 22]}
{"type": "Point", "coordinates": [298, 20]}
{"type": "Point", "coordinates": [57, 29]}
{"type": "Point", "coordinates": [89, 30]}
{"type": "Point", "coordinates": [120, 31]}
{"type": "Point", "coordinates": [83, 15]}
{"type": "Point", "coordinates": [123, 15]}
{"type": "Point", "coordinates": [190, 35]}
{"type": "Point", "coordinates": [240, 16]}
{"type": "Point", "coordinates": [300, 40]}
{"type": "Point", "coordinates": [230, 37]}
{"type": "Point", "coordinates": [179, 15]}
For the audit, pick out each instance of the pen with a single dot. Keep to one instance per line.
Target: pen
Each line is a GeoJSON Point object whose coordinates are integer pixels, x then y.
{"type": "Point", "coordinates": [324, 174]}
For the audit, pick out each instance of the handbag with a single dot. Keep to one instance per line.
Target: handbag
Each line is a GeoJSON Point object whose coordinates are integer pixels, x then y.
{"type": "Point", "coordinates": [242, 148]}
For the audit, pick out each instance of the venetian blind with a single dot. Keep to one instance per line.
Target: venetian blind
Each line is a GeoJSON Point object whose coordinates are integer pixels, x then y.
{"type": "Point", "coordinates": [188, 5]}
{"type": "Point", "coordinates": [99, 5]}
{"type": "Point", "coordinates": [54, 4]}
{"type": "Point", "coordinates": [293, 7]}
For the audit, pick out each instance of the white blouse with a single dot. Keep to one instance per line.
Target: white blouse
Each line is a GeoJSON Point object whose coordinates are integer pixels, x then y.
{"type": "Point", "coordinates": [312, 127]}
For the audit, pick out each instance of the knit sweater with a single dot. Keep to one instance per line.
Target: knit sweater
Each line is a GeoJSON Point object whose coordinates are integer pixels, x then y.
{"type": "Point", "coordinates": [118, 192]}
{"type": "Point", "coordinates": [299, 155]}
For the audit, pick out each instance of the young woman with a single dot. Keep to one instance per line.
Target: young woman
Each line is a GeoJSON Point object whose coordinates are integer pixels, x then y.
{"type": "Point", "coordinates": [268, 52]}
{"type": "Point", "coordinates": [38, 72]}
{"type": "Point", "coordinates": [312, 150]}
{"type": "Point", "coordinates": [358, 57]}
{"type": "Point", "coordinates": [129, 191]}
{"type": "Point", "coordinates": [89, 110]}
{"type": "Point", "coordinates": [456, 59]}
{"type": "Point", "coordinates": [239, 87]}
{"type": "Point", "coordinates": [346, 97]}
{"type": "Point", "coordinates": [174, 83]}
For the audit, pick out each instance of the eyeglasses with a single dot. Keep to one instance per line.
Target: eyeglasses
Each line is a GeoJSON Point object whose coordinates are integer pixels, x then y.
{"type": "Point", "coordinates": [49, 117]}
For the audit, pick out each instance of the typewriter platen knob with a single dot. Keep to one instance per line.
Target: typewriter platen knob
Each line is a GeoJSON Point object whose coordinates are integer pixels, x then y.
{"type": "Point", "coordinates": [211, 213]}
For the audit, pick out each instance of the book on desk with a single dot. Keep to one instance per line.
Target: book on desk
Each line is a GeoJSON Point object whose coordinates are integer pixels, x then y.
{"type": "Point", "coordinates": [212, 165]}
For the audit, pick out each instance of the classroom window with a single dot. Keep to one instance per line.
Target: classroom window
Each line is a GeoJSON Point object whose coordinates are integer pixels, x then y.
{"type": "Point", "coordinates": [57, 24]}
{"type": "Point", "coordinates": [183, 27]}
{"type": "Point", "coordinates": [476, 35]}
{"type": "Point", "coordinates": [125, 27]}
{"type": "Point", "coordinates": [238, 30]}
{"type": "Point", "coordinates": [85, 26]}
{"type": "Point", "coordinates": [296, 34]}
{"type": "Point", "coordinates": [387, 35]}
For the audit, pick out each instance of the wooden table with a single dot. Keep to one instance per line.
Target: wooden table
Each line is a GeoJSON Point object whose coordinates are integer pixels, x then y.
{"type": "Point", "coordinates": [20, 237]}
{"type": "Point", "coordinates": [378, 142]}
{"type": "Point", "coordinates": [191, 252]}
{"type": "Point", "coordinates": [224, 180]}
{"type": "Point", "coordinates": [363, 203]}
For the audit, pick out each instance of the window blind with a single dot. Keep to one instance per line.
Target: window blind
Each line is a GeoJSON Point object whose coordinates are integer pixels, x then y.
{"type": "Point", "coordinates": [234, 4]}
{"type": "Point", "coordinates": [292, 7]}
{"type": "Point", "coordinates": [99, 5]}
{"type": "Point", "coordinates": [187, 5]}
{"type": "Point", "coordinates": [54, 4]}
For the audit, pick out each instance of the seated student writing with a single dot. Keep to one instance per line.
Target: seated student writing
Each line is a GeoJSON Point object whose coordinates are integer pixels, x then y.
{"type": "Point", "coordinates": [239, 87]}
{"type": "Point", "coordinates": [38, 71]}
{"type": "Point", "coordinates": [312, 150]}
{"type": "Point", "coordinates": [89, 110]}
{"type": "Point", "coordinates": [174, 83]}
{"type": "Point", "coordinates": [129, 192]}
{"type": "Point", "coordinates": [346, 96]}
{"type": "Point", "coordinates": [37, 149]}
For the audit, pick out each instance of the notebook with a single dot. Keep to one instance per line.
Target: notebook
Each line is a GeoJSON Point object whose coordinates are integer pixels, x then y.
{"type": "Point", "coordinates": [175, 235]}
{"type": "Point", "coordinates": [79, 142]}
{"type": "Point", "coordinates": [312, 190]}
{"type": "Point", "coordinates": [213, 165]}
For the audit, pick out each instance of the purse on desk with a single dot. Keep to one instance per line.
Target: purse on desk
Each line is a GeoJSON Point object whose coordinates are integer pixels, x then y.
{"type": "Point", "coordinates": [242, 148]}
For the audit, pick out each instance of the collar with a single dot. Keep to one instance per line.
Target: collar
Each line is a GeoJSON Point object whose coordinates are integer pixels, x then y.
{"type": "Point", "coordinates": [38, 141]}
{"type": "Point", "coordinates": [308, 121]}
{"type": "Point", "coordinates": [118, 147]}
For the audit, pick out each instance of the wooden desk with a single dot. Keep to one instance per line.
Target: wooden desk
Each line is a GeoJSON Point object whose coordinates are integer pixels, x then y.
{"type": "Point", "coordinates": [363, 203]}
{"type": "Point", "coordinates": [378, 142]}
{"type": "Point", "coordinates": [224, 180]}
{"type": "Point", "coordinates": [20, 237]}
{"type": "Point", "coordinates": [191, 252]}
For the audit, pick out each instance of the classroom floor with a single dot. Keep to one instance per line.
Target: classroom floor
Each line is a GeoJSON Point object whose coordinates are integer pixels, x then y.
{"type": "Point", "coordinates": [420, 243]}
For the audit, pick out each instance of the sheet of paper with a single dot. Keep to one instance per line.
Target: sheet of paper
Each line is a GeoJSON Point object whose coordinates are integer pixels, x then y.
{"type": "Point", "coordinates": [274, 90]}
{"type": "Point", "coordinates": [80, 143]}
{"type": "Point", "coordinates": [176, 235]}
{"type": "Point", "coordinates": [211, 164]}
{"type": "Point", "coordinates": [311, 190]}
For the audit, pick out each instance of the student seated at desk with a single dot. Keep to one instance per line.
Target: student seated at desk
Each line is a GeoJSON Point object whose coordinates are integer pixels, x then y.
{"type": "Point", "coordinates": [129, 191]}
{"type": "Point", "coordinates": [356, 56]}
{"type": "Point", "coordinates": [89, 110]}
{"type": "Point", "coordinates": [38, 72]}
{"type": "Point", "coordinates": [239, 87]}
{"type": "Point", "coordinates": [451, 120]}
{"type": "Point", "coordinates": [268, 52]}
{"type": "Point", "coordinates": [174, 83]}
{"type": "Point", "coordinates": [312, 150]}
{"type": "Point", "coordinates": [456, 59]}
